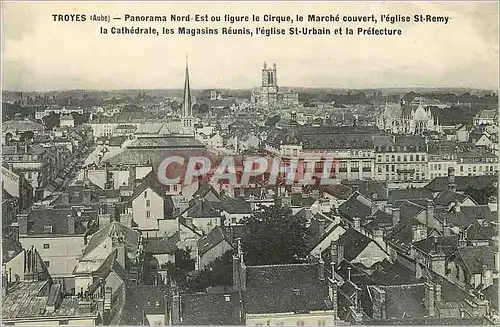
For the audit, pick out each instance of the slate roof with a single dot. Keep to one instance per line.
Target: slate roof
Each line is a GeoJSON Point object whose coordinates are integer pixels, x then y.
{"type": "Point", "coordinates": [470, 215]}
{"type": "Point", "coordinates": [131, 237]}
{"type": "Point", "coordinates": [480, 212]}
{"type": "Point", "coordinates": [58, 219]}
{"type": "Point", "coordinates": [475, 257]}
{"type": "Point", "coordinates": [356, 206]}
{"type": "Point", "coordinates": [210, 240]}
{"type": "Point", "coordinates": [170, 142]}
{"type": "Point", "coordinates": [404, 301]}
{"type": "Point", "coordinates": [211, 309]}
{"type": "Point", "coordinates": [446, 197]}
{"type": "Point", "coordinates": [160, 246]}
{"type": "Point", "coordinates": [338, 191]}
{"type": "Point", "coordinates": [373, 190]}
{"type": "Point", "coordinates": [409, 194]}
{"type": "Point", "coordinates": [147, 156]}
{"type": "Point", "coordinates": [403, 234]}
{"type": "Point", "coordinates": [483, 233]}
{"type": "Point", "coordinates": [476, 182]}
{"type": "Point", "coordinates": [270, 289]}
{"type": "Point", "coordinates": [236, 206]}
{"type": "Point", "coordinates": [354, 243]}
{"type": "Point", "coordinates": [20, 126]}
{"type": "Point", "coordinates": [109, 265]}
{"type": "Point", "coordinates": [201, 208]}
{"type": "Point", "coordinates": [302, 200]}
{"type": "Point", "coordinates": [445, 244]}
{"type": "Point", "coordinates": [141, 300]}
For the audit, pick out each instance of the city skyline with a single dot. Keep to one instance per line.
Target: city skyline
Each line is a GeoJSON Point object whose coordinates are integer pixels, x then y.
{"type": "Point", "coordinates": [40, 55]}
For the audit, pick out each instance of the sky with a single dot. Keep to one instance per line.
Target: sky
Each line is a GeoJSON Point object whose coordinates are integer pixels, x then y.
{"type": "Point", "coordinates": [39, 54]}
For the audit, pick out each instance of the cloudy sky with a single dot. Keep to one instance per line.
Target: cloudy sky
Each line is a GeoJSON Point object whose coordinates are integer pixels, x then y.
{"type": "Point", "coordinates": [40, 54]}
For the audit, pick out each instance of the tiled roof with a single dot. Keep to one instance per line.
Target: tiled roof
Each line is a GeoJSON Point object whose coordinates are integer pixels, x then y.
{"type": "Point", "coordinates": [20, 126]}
{"type": "Point", "coordinates": [210, 240]}
{"type": "Point", "coordinates": [475, 257]}
{"type": "Point", "coordinates": [477, 233]}
{"type": "Point", "coordinates": [141, 300]}
{"type": "Point", "coordinates": [409, 194]}
{"type": "Point", "coordinates": [211, 309]}
{"type": "Point", "coordinates": [160, 246]}
{"type": "Point", "coordinates": [130, 237]}
{"type": "Point", "coordinates": [444, 244]}
{"type": "Point", "coordinates": [166, 142]}
{"type": "Point", "coordinates": [463, 182]}
{"type": "Point", "coordinates": [354, 243]}
{"type": "Point", "coordinates": [201, 208]}
{"type": "Point", "coordinates": [285, 288]}
{"type": "Point", "coordinates": [236, 206]}
{"type": "Point", "coordinates": [302, 200]}
{"type": "Point", "coordinates": [38, 219]}
{"type": "Point", "coordinates": [357, 206]}
{"type": "Point", "coordinates": [404, 301]}
{"type": "Point", "coordinates": [338, 191]}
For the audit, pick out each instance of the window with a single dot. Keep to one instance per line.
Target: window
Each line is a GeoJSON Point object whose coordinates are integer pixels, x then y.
{"type": "Point", "coordinates": [46, 246]}
{"type": "Point", "coordinates": [392, 158]}
{"type": "Point", "coordinates": [63, 322]}
{"type": "Point", "coordinates": [399, 158]}
{"type": "Point", "coordinates": [47, 264]}
{"type": "Point", "coordinates": [145, 194]}
{"type": "Point", "coordinates": [148, 203]}
{"type": "Point", "coordinates": [387, 157]}
{"type": "Point", "coordinates": [148, 214]}
{"type": "Point", "coordinates": [405, 158]}
{"type": "Point", "coordinates": [168, 188]}
{"type": "Point", "coordinates": [461, 168]}
{"type": "Point", "coordinates": [411, 157]}
{"type": "Point", "coordinates": [175, 188]}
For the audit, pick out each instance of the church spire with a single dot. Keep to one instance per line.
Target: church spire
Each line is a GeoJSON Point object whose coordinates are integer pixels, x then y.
{"type": "Point", "coordinates": [187, 109]}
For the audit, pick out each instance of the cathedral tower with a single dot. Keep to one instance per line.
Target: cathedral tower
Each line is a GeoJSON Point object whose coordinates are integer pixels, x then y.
{"type": "Point", "coordinates": [187, 108]}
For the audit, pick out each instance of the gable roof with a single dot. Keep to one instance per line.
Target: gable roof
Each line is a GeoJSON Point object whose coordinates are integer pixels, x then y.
{"type": "Point", "coordinates": [446, 197]}
{"type": "Point", "coordinates": [356, 206]}
{"type": "Point", "coordinates": [475, 257]}
{"type": "Point", "coordinates": [58, 220]}
{"type": "Point", "coordinates": [109, 265]}
{"type": "Point", "coordinates": [211, 309]}
{"type": "Point", "coordinates": [439, 184]}
{"type": "Point", "coordinates": [285, 288]}
{"type": "Point", "coordinates": [408, 194]}
{"type": "Point", "coordinates": [131, 237]}
{"type": "Point", "coordinates": [207, 242]}
{"type": "Point", "coordinates": [151, 181]}
{"type": "Point", "coordinates": [160, 246]}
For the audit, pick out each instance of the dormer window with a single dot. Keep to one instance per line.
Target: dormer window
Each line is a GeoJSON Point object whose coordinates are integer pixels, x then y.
{"type": "Point", "coordinates": [227, 298]}
{"type": "Point", "coordinates": [296, 292]}
{"type": "Point", "coordinates": [47, 229]}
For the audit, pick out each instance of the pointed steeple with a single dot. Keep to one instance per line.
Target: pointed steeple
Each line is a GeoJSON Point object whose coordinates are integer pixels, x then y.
{"type": "Point", "coordinates": [187, 110]}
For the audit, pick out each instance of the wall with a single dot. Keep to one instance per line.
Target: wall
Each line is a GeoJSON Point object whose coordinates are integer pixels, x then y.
{"type": "Point", "coordinates": [290, 319]}
{"type": "Point", "coordinates": [206, 224]}
{"type": "Point", "coordinates": [156, 209]}
{"type": "Point", "coordinates": [15, 267]}
{"type": "Point", "coordinates": [370, 255]}
{"type": "Point", "coordinates": [62, 254]}
{"type": "Point", "coordinates": [214, 253]}
{"type": "Point", "coordinates": [325, 243]}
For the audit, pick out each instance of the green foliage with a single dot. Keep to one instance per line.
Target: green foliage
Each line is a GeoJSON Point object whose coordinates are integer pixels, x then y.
{"type": "Point", "coordinates": [218, 273]}
{"type": "Point", "coordinates": [271, 121]}
{"type": "Point", "coordinates": [183, 266]}
{"type": "Point", "coordinates": [51, 121]}
{"type": "Point", "coordinates": [274, 236]}
{"type": "Point", "coordinates": [201, 108]}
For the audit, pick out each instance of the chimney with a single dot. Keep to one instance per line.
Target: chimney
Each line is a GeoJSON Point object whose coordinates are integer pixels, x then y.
{"type": "Point", "coordinates": [176, 309]}
{"type": "Point", "coordinates": [462, 238]}
{"type": "Point", "coordinates": [437, 288]}
{"type": "Point", "coordinates": [451, 180]}
{"type": "Point", "coordinates": [65, 198]}
{"type": "Point", "coordinates": [15, 231]}
{"type": "Point", "coordinates": [71, 224]}
{"type": "Point", "coordinates": [487, 276]}
{"type": "Point", "coordinates": [340, 252]}
{"type": "Point", "coordinates": [419, 232]}
{"type": "Point", "coordinates": [86, 197]}
{"type": "Point", "coordinates": [236, 273]}
{"type": "Point", "coordinates": [379, 312]}
{"type": "Point", "coordinates": [321, 226]}
{"type": "Point", "coordinates": [107, 298]}
{"type": "Point", "coordinates": [349, 273]}
{"type": "Point", "coordinates": [378, 237]}
{"type": "Point", "coordinates": [457, 206]}
{"type": "Point", "coordinates": [388, 208]}
{"type": "Point", "coordinates": [396, 212]}
{"type": "Point", "coordinates": [22, 220]}
{"type": "Point", "coordinates": [418, 269]}
{"type": "Point", "coordinates": [493, 204]}
{"type": "Point", "coordinates": [333, 253]}
{"type": "Point", "coordinates": [321, 269]}
{"type": "Point", "coordinates": [357, 223]}
{"type": "Point", "coordinates": [429, 213]}
{"type": "Point", "coordinates": [429, 298]}
{"type": "Point", "coordinates": [355, 188]}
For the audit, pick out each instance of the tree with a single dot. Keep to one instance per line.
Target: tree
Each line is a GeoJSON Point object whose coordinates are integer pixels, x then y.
{"type": "Point", "coordinates": [217, 273]}
{"type": "Point", "coordinates": [52, 120]}
{"type": "Point", "coordinates": [274, 236]}
{"type": "Point", "coordinates": [201, 108]}
{"type": "Point", "coordinates": [183, 266]}
{"type": "Point", "coordinates": [27, 136]}
{"type": "Point", "coordinates": [271, 121]}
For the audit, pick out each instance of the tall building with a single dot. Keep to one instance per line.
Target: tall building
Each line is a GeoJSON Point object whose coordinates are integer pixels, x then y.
{"type": "Point", "coordinates": [408, 119]}
{"type": "Point", "coordinates": [187, 108]}
{"type": "Point", "coordinates": [269, 95]}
